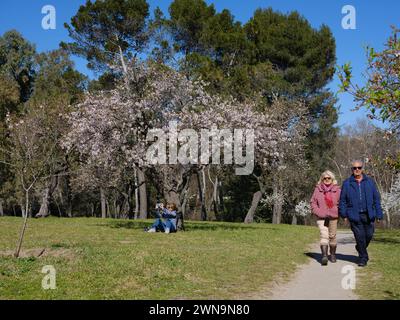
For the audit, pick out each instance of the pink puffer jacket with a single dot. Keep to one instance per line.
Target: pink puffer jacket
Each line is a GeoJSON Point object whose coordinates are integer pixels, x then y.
{"type": "Point", "coordinates": [318, 204]}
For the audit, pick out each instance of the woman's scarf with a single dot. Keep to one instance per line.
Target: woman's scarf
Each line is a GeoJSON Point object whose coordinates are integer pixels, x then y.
{"type": "Point", "coordinates": [327, 194]}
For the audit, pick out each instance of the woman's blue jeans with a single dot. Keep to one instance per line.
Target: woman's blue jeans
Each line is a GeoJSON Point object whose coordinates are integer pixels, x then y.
{"type": "Point", "coordinates": [159, 224]}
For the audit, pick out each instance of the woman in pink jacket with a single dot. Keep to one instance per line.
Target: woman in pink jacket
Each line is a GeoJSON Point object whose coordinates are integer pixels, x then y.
{"type": "Point", "coordinates": [324, 204]}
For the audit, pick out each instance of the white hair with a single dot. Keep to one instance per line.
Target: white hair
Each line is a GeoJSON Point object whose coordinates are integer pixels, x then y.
{"type": "Point", "coordinates": [327, 173]}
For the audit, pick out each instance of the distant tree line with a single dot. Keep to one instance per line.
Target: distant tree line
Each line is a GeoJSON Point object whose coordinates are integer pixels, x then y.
{"type": "Point", "coordinates": [75, 147]}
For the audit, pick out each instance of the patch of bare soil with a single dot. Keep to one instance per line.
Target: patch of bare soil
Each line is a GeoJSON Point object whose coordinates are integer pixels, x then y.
{"type": "Point", "coordinates": [42, 252]}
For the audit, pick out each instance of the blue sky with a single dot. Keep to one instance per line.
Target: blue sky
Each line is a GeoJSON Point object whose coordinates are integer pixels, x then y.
{"type": "Point", "coordinates": [373, 20]}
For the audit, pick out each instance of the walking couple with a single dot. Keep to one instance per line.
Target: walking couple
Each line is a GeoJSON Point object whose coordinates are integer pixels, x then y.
{"type": "Point", "coordinates": [357, 202]}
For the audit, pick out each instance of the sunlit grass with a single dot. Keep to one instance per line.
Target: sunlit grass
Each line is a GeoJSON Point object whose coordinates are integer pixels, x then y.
{"type": "Point", "coordinates": [381, 278]}
{"type": "Point", "coordinates": [115, 259]}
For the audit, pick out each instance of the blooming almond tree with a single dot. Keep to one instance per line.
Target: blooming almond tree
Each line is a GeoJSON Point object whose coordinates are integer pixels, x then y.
{"type": "Point", "coordinates": [277, 137]}
{"type": "Point", "coordinates": [391, 200]}
{"type": "Point", "coordinates": [109, 129]}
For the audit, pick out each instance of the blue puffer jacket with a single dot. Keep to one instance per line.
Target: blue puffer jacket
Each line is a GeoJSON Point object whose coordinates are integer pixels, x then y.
{"type": "Point", "coordinates": [168, 215]}
{"type": "Point", "coordinates": [348, 204]}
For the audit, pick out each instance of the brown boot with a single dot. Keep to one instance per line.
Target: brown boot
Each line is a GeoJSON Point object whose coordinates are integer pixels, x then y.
{"type": "Point", "coordinates": [324, 250]}
{"type": "Point", "coordinates": [333, 253]}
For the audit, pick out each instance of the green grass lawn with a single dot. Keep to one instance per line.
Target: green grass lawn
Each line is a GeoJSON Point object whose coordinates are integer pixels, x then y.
{"type": "Point", "coordinates": [381, 278]}
{"type": "Point", "coordinates": [115, 259]}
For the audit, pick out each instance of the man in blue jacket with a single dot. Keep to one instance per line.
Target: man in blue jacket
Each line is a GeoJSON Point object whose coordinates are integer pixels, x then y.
{"type": "Point", "coordinates": [360, 204]}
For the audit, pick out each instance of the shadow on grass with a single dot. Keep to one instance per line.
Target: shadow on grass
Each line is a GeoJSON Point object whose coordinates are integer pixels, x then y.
{"type": "Point", "coordinates": [391, 295]}
{"type": "Point", "coordinates": [344, 257]}
{"type": "Point", "coordinates": [140, 225]}
{"type": "Point", "coordinates": [218, 226]}
{"type": "Point", "coordinates": [129, 224]}
{"type": "Point", "coordinates": [386, 240]}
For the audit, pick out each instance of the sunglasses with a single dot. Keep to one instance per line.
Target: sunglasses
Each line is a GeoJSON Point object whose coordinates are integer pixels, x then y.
{"type": "Point", "coordinates": [327, 178]}
{"type": "Point", "coordinates": [356, 168]}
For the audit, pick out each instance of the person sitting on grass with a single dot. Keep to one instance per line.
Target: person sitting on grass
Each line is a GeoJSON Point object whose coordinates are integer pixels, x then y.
{"type": "Point", "coordinates": [166, 219]}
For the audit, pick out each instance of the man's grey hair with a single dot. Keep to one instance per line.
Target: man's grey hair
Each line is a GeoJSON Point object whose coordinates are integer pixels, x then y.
{"type": "Point", "coordinates": [358, 161]}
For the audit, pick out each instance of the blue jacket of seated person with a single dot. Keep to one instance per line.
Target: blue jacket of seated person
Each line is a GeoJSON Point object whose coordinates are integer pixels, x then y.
{"type": "Point", "coordinates": [168, 216]}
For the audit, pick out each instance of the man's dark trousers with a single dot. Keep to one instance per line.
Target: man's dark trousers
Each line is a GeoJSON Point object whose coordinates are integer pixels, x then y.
{"type": "Point", "coordinates": [363, 231]}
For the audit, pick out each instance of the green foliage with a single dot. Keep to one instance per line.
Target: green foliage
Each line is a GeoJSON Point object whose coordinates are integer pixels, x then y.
{"type": "Point", "coordinates": [271, 55]}
{"type": "Point", "coordinates": [29, 145]}
{"type": "Point", "coordinates": [188, 20]}
{"type": "Point", "coordinates": [100, 29]}
{"type": "Point", "coordinates": [57, 81]}
{"type": "Point", "coordinates": [381, 94]}
{"type": "Point", "coordinates": [107, 81]}
{"type": "Point", "coordinates": [17, 70]}
{"type": "Point", "coordinates": [305, 57]}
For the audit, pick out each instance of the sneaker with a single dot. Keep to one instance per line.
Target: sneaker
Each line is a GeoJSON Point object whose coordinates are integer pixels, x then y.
{"type": "Point", "coordinates": [166, 230]}
{"type": "Point", "coordinates": [362, 263]}
{"type": "Point", "coordinates": [151, 230]}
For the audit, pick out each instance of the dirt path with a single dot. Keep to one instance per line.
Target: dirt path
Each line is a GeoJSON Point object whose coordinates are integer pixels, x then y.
{"type": "Point", "coordinates": [312, 281]}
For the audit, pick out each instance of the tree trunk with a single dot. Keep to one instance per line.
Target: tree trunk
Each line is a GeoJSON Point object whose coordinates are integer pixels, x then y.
{"type": "Point", "coordinates": [183, 207]}
{"type": "Point", "coordinates": [136, 214]}
{"type": "Point", "coordinates": [254, 204]}
{"type": "Point", "coordinates": [1, 208]}
{"type": "Point", "coordinates": [172, 196]}
{"type": "Point", "coordinates": [108, 209]}
{"type": "Point", "coordinates": [204, 185]}
{"type": "Point", "coordinates": [117, 210]}
{"type": "Point", "coordinates": [277, 209]}
{"type": "Point", "coordinates": [256, 200]}
{"type": "Point", "coordinates": [21, 235]}
{"type": "Point", "coordinates": [69, 197]}
{"type": "Point", "coordinates": [215, 196]}
{"type": "Point", "coordinates": [103, 204]}
{"type": "Point", "coordinates": [23, 212]}
{"type": "Point", "coordinates": [128, 205]}
{"type": "Point", "coordinates": [121, 56]}
{"type": "Point", "coordinates": [58, 208]}
{"type": "Point", "coordinates": [294, 219]}
{"type": "Point", "coordinates": [388, 220]}
{"type": "Point", "coordinates": [142, 194]}
{"type": "Point", "coordinates": [69, 209]}
{"type": "Point", "coordinates": [47, 193]}
{"type": "Point", "coordinates": [201, 196]}
{"type": "Point", "coordinates": [92, 209]}
{"type": "Point", "coordinates": [221, 198]}
{"type": "Point", "coordinates": [214, 201]}
{"type": "Point", "coordinates": [44, 207]}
